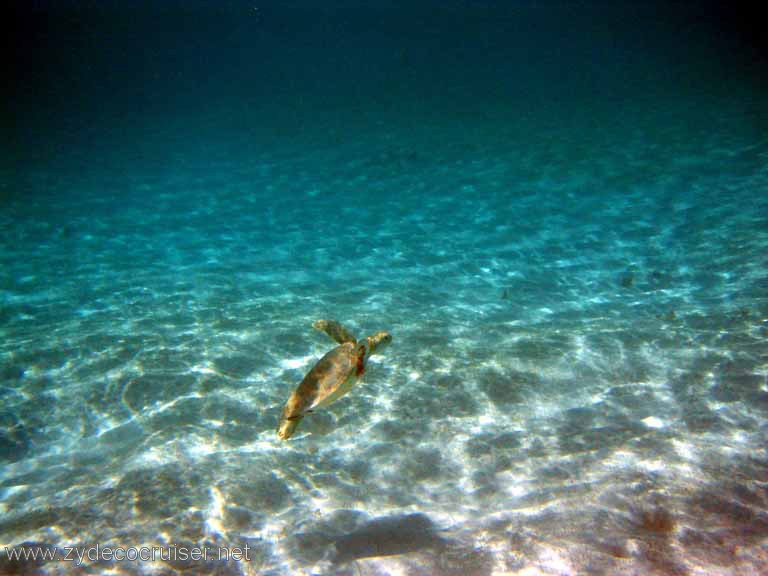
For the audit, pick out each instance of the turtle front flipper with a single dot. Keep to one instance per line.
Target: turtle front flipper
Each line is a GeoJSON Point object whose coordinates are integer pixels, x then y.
{"type": "Point", "coordinates": [335, 331]}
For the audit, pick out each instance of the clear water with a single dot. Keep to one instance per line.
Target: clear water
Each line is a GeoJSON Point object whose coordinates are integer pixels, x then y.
{"type": "Point", "coordinates": [574, 277]}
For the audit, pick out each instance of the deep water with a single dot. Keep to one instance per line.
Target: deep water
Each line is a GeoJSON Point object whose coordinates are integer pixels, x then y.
{"type": "Point", "coordinates": [560, 213]}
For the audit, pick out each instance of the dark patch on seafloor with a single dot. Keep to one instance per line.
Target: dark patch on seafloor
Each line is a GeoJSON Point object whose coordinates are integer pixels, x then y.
{"type": "Point", "coordinates": [387, 536]}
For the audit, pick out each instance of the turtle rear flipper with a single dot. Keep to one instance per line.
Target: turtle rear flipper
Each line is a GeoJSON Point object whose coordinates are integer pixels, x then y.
{"type": "Point", "coordinates": [335, 331]}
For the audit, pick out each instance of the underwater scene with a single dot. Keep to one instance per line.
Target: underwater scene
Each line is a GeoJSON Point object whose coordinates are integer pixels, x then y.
{"type": "Point", "coordinates": [516, 255]}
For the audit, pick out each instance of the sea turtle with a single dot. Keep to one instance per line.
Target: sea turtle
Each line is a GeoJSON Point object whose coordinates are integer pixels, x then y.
{"type": "Point", "coordinates": [333, 376]}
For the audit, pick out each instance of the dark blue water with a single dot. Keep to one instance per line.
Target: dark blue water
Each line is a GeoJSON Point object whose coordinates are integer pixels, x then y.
{"type": "Point", "coordinates": [560, 212]}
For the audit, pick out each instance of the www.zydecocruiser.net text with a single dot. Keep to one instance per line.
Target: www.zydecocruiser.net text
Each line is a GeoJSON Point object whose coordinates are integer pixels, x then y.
{"type": "Point", "coordinates": [98, 553]}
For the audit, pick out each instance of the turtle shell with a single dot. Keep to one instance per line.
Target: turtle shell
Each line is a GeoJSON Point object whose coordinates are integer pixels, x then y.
{"type": "Point", "coordinates": [333, 376]}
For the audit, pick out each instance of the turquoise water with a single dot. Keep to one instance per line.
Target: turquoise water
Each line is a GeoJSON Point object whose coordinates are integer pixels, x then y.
{"type": "Point", "coordinates": [574, 273]}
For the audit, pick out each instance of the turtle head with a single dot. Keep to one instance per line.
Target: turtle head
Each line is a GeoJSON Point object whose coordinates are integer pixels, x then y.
{"type": "Point", "coordinates": [292, 415]}
{"type": "Point", "coordinates": [378, 342]}
{"type": "Point", "coordinates": [287, 427]}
